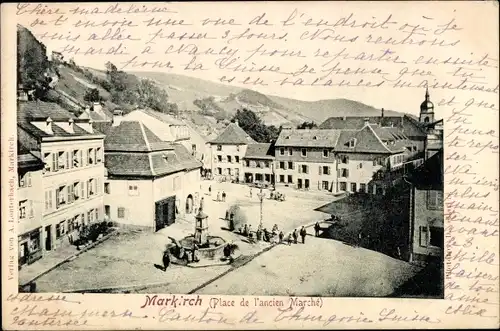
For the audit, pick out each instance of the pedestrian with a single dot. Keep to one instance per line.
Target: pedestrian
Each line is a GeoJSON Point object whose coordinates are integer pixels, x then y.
{"type": "Point", "coordinates": [317, 227]}
{"type": "Point", "coordinates": [245, 230]}
{"type": "Point", "coordinates": [289, 239]}
{"type": "Point", "coordinates": [210, 190]}
{"type": "Point", "coordinates": [166, 258]}
{"type": "Point", "coordinates": [223, 196]}
{"type": "Point", "coordinates": [303, 234]}
{"type": "Point", "coordinates": [250, 192]}
{"type": "Point", "coordinates": [218, 196]}
{"type": "Point", "coordinates": [195, 257]}
{"type": "Point", "coordinates": [281, 235]}
{"type": "Point", "coordinates": [227, 215]}
{"type": "Point", "coordinates": [295, 236]}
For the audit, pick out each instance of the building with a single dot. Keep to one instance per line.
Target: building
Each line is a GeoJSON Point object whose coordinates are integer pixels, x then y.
{"type": "Point", "coordinates": [426, 209]}
{"type": "Point", "coordinates": [258, 163]}
{"type": "Point", "coordinates": [150, 182]}
{"type": "Point", "coordinates": [227, 152]}
{"type": "Point", "coordinates": [171, 129]}
{"type": "Point", "coordinates": [306, 159]}
{"type": "Point", "coordinates": [30, 224]}
{"type": "Point", "coordinates": [73, 174]}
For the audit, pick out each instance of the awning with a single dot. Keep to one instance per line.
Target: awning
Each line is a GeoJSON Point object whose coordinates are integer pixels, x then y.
{"type": "Point", "coordinates": [346, 208]}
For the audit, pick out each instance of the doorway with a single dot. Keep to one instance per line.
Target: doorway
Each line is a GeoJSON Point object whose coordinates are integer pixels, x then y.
{"type": "Point", "coordinates": [48, 238]}
{"type": "Point", "coordinates": [189, 204]}
{"type": "Point", "coordinates": [107, 211]}
{"type": "Point", "coordinates": [306, 185]}
{"type": "Point", "coordinates": [24, 253]}
{"type": "Point", "coordinates": [164, 213]}
{"type": "Point", "coordinates": [299, 183]}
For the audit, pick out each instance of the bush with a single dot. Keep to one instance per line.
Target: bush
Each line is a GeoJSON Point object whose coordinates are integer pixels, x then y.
{"type": "Point", "coordinates": [240, 218]}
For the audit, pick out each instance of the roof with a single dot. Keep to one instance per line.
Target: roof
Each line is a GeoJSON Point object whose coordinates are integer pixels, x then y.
{"type": "Point", "coordinates": [233, 135]}
{"type": "Point", "coordinates": [430, 174]}
{"type": "Point", "coordinates": [166, 118]}
{"type": "Point", "coordinates": [308, 138]}
{"type": "Point", "coordinates": [28, 110]}
{"type": "Point", "coordinates": [27, 160]}
{"type": "Point", "coordinates": [409, 125]}
{"type": "Point", "coordinates": [259, 151]}
{"type": "Point", "coordinates": [152, 164]}
{"type": "Point", "coordinates": [102, 127]}
{"type": "Point", "coordinates": [349, 206]}
{"type": "Point", "coordinates": [133, 136]}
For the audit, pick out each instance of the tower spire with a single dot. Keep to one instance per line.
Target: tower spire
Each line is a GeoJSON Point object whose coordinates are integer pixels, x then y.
{"type": "Point", "coordinates": [427, 93]}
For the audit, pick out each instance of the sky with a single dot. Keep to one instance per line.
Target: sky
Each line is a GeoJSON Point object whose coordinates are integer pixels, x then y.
{"type": "Point", "coordinates": [401, 18]}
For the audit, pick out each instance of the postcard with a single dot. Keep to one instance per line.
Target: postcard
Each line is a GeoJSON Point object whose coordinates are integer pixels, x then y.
{"type": "Point", "coordinates": [250, 165]}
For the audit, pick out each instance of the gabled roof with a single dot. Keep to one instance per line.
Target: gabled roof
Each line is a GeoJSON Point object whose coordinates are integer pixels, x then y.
{"type": "Point", "coordinates": [259, 151]}
{"type": "Point", "coordinates": [26, 160]}
{"type": "Point", "coordinates": [308, 138]}
{"type": "Point", "coordinates": [165, 118]}
{"type": "Point", "coordinates": [38, 109]}
{"type": "Point", "coordinates": [233, 135]}
{"type": "Point", "coordinates": [430, 174]}
{"type": "Point", "coordinates": [152, 164]}
{"type": "Point", "coordinates": [133, 136]}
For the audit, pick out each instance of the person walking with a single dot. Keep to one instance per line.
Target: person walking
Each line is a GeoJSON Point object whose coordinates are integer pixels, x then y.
{"type": "Point", "coordinates": [289, 239]}
{"type": "Point", "coordinates": [218, 196]}
{"type": "Point", "coordinates": [166, 259]}
{"type": "Point", "coordinates": [280, 236]}
{"type": "Point", "coordinates": [210, 190]}
{"type": "Point", "coordinates": [303, 234]}
{"type": "Point", "coordinates": [317, 227]}
{"type": "Point", "coordinates": [223, 196]}
{"type": "Point", "coordinates": [195, 257]}
{"type": "Point", "coordinates": [250, 192]}
{"type": "Point", "coordinates": [295, 236]}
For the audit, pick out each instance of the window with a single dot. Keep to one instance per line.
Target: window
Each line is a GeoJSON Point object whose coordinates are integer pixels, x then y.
{"type": "Point", "coordinates": [98, 155]}
{"type": "Point", "coordinates": [48, 200]}
{"type": "Point", "coordinates": [219, 171]}
{"type": "Point", "coordinates": [352, 143]}
{"type": "Point", "coordinates": [259, 164]}
{"type": "Point", "coordinates": [325, 153]}
{"type": "Point", "coordinates": [90, 215]}
{"type": "Point", "coordinates": [71, 193]}
{"type": "Point", "coordinates": [61, 160]}
{"type": "Point", "coordinates": [25, 180]}
{"type": "Point", "coordinates": [106, 188]}
{"type": "Point", "coordinates": [90, 156]}
{"type": "Point", "coordinates": [237, 148]}
{"type": "Point", "coordinates": [22, 209]}
{"type": "Point", "coordinates": [82, 190]}
{"type": "Point", "coordinates": [282, 178]}
{"type": "Point", "coordinates": [219, 158]}
{"type": "Point", "coordinates": [121, 212]}
{"type": "Point", "coordinates": [353, 187]}
{"type": "Point", "coordinates": [237, 158]}
{"type": "Point", "coordinates": [229, 158]}
{"type": "Point", "coordinates": [423, 236]}
{"type": "Point", "coordinates": [362, 187]}
{"type": "Point", "coordinates": [290, 165]}
{"type": "Point", "coordinates": [193, 148]}
{"type": "Point", "coordinates": [325, 185]}
{"type": "Point", "coordinates": [219, 148]}
{"type": "Point", "coordinates": [290, 151]}
{"type": "Point", "coordinates": [344, 159]}
{"type": "Point", "coordinates": [343, 186]}
{"type": "Point", "coordinates": [326, 170]}
{"type": "Point", "coordinates": [47, 159]}
{"type": "Point", "coordinates": [437, 236]}
{"type": "Point", "coordinates": [304, 169]}
{"type": "Point", "coordinates": [76, 191]}
{"type": "Point", "coordinates": [344, 173]}
{"type": "Point", "coordinates": [133, 189]}
{"type": "Point", "coordinates": [282, 151]}
{"type": "Point", "coordinates": [77, 155]}
{"type": "Point", "coordinates": [229, 172]}
{"type": "Point", "coordinates": [247, 163]}
{"type": "Point", "coordinates": [55, 164]}
{"type": "Point", "coordinates": [304, 152]}
{"type": "Point", "coordinates": [290, 179]}
{"type": "Point", "coordinates": [435, 200]}
{"type": "Point", "coordinates": [360, 165]}
{"type": "Point", "coordinates": [91, 187]}
{"type": "Point", "coordinates": [61, 196]}
{"type": "Point", "coordinates": [282, 165]}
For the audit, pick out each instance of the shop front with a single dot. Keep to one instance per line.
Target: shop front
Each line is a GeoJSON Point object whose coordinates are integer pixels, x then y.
{"type": "Point", "coordinates": [30, 248]}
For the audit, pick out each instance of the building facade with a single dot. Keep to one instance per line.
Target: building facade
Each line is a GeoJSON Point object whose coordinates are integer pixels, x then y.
{"type": "Point", "coordinates": [258, 164]}
{"type": "Point", "coordinates": [163, 178]}
{"type": "Point", "coordinates": [30, 225]}
{"type": "Point", "coordinates": [227, 153]}
{"type": "Point", "coordinates": [73, 173]}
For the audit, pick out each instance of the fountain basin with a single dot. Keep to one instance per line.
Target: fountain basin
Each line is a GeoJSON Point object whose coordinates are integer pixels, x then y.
{"type": "Point", "coordinates": [213, 250]}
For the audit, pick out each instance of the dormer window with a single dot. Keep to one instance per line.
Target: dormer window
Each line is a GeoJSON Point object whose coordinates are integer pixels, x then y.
{"type": "Point", "coordinates": [287, 137]}
{"type": "Point", "coordinates": [315, 138]}
{"type": "Point", "coordinates": [352, 143]}
{"type": "Point", "coordinates": [325, 153]}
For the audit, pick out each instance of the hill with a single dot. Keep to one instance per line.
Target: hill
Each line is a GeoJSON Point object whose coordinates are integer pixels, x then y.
{"type": "Point", "coordinates": [215, 99]}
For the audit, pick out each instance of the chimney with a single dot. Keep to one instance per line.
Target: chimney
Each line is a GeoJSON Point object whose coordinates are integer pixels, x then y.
{"type": "Point", "coordinates": [367, 121]}
{"type": "Point", "coordinates": [343, 118]}
{"type": "Point", "coordinates": [236, 122]}
{"type": "Point", "coordinates": [382, 115]}
{"type": "Point", "coordinates": [117, 117]}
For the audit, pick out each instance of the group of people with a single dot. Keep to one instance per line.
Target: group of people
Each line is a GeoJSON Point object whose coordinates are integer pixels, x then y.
{"type": "Point", "coordinates": [294, 236]}
{"type": "Point", "coordinates": [180, 253]}
{"type": "Point", "coordinates": [220, 196]}
{"type": "Point", "coordinates": [277, 196]}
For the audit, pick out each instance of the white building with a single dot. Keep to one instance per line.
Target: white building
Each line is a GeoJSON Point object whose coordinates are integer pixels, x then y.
{"type": "Point", "coordinates": [150, 182]}
{"type": "Point", "coordinates": [73, 176]}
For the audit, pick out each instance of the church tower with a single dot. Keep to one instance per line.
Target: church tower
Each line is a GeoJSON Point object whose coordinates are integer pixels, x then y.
{"type": "Point", "coordinates": [427, 109]}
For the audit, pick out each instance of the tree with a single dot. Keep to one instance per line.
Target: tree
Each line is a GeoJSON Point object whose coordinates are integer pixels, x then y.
{"type": "Point", "coordinates": [307, 125]}
{"type": "Point", "coordinates": [254, 126]}
{"type": "Point", "coordinates": [92, 95]}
